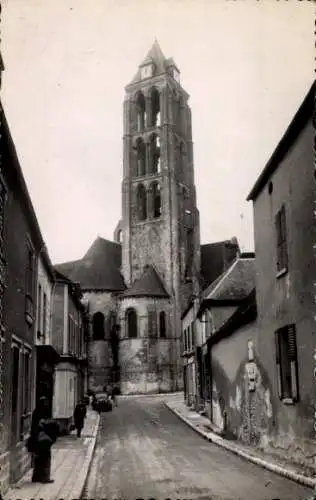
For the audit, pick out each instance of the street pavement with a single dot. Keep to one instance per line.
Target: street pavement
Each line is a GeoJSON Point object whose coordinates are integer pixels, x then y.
{"type": "Point", "coordinates": [144, 451]}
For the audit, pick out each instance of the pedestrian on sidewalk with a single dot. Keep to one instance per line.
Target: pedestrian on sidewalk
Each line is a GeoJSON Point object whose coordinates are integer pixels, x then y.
{"type": "Point", "coordinates": [114, 394]}
{"type": "Point", "coordinates": [80, 414]}
{"type": "Point", "coordinates": [44, 433]}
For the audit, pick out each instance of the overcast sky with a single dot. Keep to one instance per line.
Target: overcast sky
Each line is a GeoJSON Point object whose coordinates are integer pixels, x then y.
{"type": "Point", "coordinates": [246, 64]}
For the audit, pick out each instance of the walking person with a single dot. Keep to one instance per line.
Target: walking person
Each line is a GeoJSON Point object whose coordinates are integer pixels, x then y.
{"type": "Point", "coordinates": [80, 414]}
{"type": "Point", "coordinates": [44, 433]}
{"type": "Point", "coordinates": [115, 392]}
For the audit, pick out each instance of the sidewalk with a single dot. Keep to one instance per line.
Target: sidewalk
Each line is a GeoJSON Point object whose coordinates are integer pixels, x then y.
{"type": "Point", "coordinates": [203, 426]}
{"type": "Point", "coordinates": [71, 458]}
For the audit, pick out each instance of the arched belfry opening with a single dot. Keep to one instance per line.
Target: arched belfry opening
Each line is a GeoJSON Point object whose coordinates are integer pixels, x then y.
{"type": "Point", "coordinates": [140, 150]}
{"type": "Point", "coordinates": [154, 154]}
{"type": "Point", "coordinates": [155, 108]}
{"type": "Point", "coordinates": [155, 193]}
{"type": "Point", "coordinates": [141, 199]}
{"type": "Point", "coordinates": [140, 112]}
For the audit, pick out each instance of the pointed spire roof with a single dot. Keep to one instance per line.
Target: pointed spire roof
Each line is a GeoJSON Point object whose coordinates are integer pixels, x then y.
{"type": "Point", "coordinates": [156, 57]}
{"type": "Point", "coordinates": [148, 285]}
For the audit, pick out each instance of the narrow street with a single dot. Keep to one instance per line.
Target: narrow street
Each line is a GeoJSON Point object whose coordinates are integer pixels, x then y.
{"type": "Point", "coordinates": [145, 451]}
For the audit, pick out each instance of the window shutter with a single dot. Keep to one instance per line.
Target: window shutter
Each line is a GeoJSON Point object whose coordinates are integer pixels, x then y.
{"type": "Point", "coordinates": [193, 330]}
{"type": "Point", "coordinates": [278, 363]}
{"type": "Point", "coordinates": [292, 353]}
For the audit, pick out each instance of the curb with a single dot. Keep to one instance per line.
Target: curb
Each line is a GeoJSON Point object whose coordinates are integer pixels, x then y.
{"type": "Point", "coordinates": [77, 492]}
{"type": "Point", "coordinates": [152, 395]}
{"type": "Point", "coordinates": [214, 438]}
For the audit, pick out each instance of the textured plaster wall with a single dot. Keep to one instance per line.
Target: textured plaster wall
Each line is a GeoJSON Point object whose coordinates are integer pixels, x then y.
{"type": "Point", "coordinates": [289, 299]}
{"type": "Point", "coordinates": [249, 413]}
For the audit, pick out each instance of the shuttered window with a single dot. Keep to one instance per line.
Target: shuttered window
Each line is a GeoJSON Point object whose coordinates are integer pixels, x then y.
{"type": "Point", "coordinates": [286, 360]}
{"type": "Point", "coordinates": [193, 334]}
{"type": "Point", "coordinates": [281, 240]}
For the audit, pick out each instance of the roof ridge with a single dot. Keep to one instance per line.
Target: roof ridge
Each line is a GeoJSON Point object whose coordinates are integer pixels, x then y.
{"type": "Point", "coordinates": [224, 275]}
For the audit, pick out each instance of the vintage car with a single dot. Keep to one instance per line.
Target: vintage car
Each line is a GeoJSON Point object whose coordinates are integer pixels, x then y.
{"type": "Point", "coordinates": [102, 402]}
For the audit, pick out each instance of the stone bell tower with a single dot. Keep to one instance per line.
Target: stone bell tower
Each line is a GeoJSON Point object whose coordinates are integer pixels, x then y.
{"type": "Point", "coordinates": [160, 220]}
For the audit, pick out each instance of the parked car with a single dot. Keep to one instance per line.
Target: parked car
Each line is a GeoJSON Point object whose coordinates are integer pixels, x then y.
{"type": "Point", "coordinates": [102, 402]}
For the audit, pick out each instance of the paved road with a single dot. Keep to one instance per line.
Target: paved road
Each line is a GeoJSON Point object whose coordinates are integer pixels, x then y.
{"type": "Point", "coordinates": [144, 451]}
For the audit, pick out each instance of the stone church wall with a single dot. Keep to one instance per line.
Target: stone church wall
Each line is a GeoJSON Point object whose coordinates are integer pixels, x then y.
{"type": "Point", "coordinates": [99, 351]}
{"type": "Point", "coordinates": [146, 361]}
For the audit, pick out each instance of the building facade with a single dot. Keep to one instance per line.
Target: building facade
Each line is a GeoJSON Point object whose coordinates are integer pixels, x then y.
{"type": "Point", "coordinates": [22, 244]}
{"type": "Point", "coordinates": [284, 228]}
{"type": "Point", "coordinates": [69, 329]}
{"type": "Point", "coordinates": [46, 354]}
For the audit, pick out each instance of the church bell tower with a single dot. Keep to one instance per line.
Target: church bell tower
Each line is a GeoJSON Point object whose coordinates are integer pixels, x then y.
{"type": "Point", "coordinates": [160, 220]}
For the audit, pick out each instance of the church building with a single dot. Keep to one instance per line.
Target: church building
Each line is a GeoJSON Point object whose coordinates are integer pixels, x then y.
{"type": "Point", "coordinates": [137, 286]}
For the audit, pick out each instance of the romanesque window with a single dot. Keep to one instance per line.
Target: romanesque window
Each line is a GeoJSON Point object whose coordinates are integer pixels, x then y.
{"type": "Point", "coordinates": [98, 326]}
{"type": "Point", "coordinates": [140, 158]}
{"type": "Point", "coordinates": [155, 194]}
{"type": "Point", "coordinates": [141, 202]}
{"type": "Point", "coordinates": [131, 320]}
{"type": "Point", "coordinates": [154, 154]}
{"type": "Point", "coordinates": [140, 111]}
{"type": "Point", "coordinates": [155, 108]}
{"type": "Point", "coordinates": [162, 324]}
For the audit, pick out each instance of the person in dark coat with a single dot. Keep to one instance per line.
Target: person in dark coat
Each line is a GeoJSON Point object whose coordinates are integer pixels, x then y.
{"type": "Point", "coordinates": [43, 435]}
{"type": "Point", "coordinates": [79, 417]}
{"type": "Point", "coordinates": [115, 392]}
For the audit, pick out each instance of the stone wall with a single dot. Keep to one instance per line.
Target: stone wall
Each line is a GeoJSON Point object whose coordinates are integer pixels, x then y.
{"type": "Point", "coordinates": [99, 351]}
{"type": "Point", "coordinates": [146, 361]}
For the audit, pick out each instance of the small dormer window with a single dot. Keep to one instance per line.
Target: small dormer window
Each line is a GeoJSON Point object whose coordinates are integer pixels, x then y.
{"type": "Point", "coordinates": [146, 71]}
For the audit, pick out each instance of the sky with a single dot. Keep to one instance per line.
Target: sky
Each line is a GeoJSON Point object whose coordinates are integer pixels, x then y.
{"type": "Point", "coordinates": [246, 64]}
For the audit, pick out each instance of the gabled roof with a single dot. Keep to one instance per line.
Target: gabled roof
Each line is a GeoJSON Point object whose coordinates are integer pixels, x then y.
{"type": "Point", "coordinates": [215, 258]}
{"type": "Point", "coordinates": [99, 269]}
{"type": "Point", "coordinates": [304, 113]}
{"type": "Point", "coordinates": [245, 313]}
{"type": "Point", "coordinates": [155, 56]}
{"type": "Point", "coordinates": [233, 286]}
{"type": "Point", "coordinates": [148, 285]}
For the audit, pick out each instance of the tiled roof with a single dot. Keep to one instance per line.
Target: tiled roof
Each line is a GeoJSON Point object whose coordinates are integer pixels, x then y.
{"type": "Point", "coordinates": [235, 283]}
{"type": "Point", "coordinates": [215, 258]}
{"type": "Point", "coordinates": [99, 269]}
{"type": "Point", "coordinates": [148, 285]}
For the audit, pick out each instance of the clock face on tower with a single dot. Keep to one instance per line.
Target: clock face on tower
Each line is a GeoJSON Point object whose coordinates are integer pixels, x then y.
{"type": "Point", "coordinates": [146, 71]}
